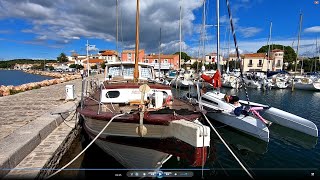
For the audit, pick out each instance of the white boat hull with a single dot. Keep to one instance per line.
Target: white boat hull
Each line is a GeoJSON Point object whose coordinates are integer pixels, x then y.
{"type": "Point", "coordinates": [179, 83]}
{"type": "Point", "coordinates": [248, 124]}
{"type": "Point", "coordinates": [309, 87]}
{"type": "Point", "coordinates": [286, 119]}
{"type": "Point", "coordinates": [133, 157]}
{"type": "Point", "coordinates": [291, 121]}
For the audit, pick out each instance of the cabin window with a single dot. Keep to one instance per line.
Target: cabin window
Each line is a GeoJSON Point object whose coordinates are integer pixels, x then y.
{"type": "Point", "coordinates": [112, 94]}
{"type": "Point", "coordinates": [146, 73]}
{"type": "Point", "coordinates": [128, 71]}
{"type": "Point", "coordinates": [114, 71]}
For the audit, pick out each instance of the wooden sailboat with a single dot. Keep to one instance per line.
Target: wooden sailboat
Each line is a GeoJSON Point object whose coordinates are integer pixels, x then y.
{"type": "Point", "coordinates": [128, 104]}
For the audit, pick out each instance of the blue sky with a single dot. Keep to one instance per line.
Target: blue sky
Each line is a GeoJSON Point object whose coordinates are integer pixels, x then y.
{"type": "Point", "coordinates": [45, 28]}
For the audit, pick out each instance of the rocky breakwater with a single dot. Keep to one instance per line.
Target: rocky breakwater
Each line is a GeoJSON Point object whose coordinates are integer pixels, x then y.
{"type": "Point", "coordinates": [59, 78]}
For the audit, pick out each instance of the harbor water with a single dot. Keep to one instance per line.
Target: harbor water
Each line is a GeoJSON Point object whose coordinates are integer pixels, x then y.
{"type": "Point", "coordinates": [17, 77]}
{"type": "Point", "coordinates": [288, 154]}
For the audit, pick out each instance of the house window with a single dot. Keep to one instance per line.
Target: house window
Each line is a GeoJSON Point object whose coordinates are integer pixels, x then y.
{"type": "Point", "coordinates": [146, 60]}
{"type": "Point", "coordinates": [260, 63]}
{"type": "Point", "coordinates": [129, 55]}
{"type": "Point", "coordinates": [250, 63]}
{"type": "Point", "coordinates": [279, 63]}
{"type": "Point", "coordinates": [166, 61]}
{"type": "Point", "coordinates": [155, 61]}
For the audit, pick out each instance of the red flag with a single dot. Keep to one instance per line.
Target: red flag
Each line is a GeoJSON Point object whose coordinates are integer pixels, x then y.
{"type": "Point", "coordinates": [213, 59]}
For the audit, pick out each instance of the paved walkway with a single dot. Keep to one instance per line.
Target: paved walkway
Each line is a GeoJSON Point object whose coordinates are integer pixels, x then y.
{"type": "Point", "coordinates": [29, 117]}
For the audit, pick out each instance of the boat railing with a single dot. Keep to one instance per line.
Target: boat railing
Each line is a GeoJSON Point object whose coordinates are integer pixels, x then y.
{"type": "Point", "coordinates": [88, 87]}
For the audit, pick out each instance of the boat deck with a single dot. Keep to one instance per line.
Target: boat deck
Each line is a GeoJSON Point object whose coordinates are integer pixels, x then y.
{"type": "Point", "coordinates": [92, 103]}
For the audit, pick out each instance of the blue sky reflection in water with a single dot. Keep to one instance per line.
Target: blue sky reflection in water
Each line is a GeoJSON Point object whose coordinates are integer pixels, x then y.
{"type": "Point", "coordinates": [13, 77]}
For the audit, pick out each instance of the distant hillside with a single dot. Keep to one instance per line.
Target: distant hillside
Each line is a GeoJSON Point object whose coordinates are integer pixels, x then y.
{"type": "Point", "coordinates": [10, 63]}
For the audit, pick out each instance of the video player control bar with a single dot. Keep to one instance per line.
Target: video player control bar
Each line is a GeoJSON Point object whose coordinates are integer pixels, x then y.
{"type": "Point", "coordinates": [159, 174]}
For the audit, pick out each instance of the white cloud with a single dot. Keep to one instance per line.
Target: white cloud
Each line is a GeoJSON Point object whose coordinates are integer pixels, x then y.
{"type": "Point", "coordinates": [314, 29]}
{"type": "Point", "coordinates": [249, 31]}
{"type": "Point", "coordinates": [62, 21]}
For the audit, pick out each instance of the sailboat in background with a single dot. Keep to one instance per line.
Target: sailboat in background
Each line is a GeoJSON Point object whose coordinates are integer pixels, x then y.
{"type": "Point", "coordinates": [184, 78]}
{"type": "Point", "coordinates": [304, 83]}
{"type": "Point", "coordinates": [222, 111]}
{"type": "Point", "coordinates": [126, 105]}
{"type": "Point", "coordinates": [251, 122]}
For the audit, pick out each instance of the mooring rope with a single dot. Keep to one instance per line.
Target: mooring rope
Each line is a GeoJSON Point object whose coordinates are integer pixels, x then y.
{"type": "Point", "coordinates": [244, 168]}
{"type": "Point", "coordinates": [87, 146]}
{"type": "Point", "coordinates": [237, 49]}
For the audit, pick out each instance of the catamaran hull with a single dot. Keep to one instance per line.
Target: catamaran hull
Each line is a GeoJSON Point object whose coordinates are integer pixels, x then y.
{"type": "Point", "coordinates": [286, 119]}
{"type": "Point", "coordinates": [291, 121]}
{"type": "Point", "coordinates": [246, 124]}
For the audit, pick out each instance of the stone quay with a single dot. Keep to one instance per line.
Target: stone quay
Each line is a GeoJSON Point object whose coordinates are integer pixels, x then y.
{"type": "Point", "coordinates": [32, 135]}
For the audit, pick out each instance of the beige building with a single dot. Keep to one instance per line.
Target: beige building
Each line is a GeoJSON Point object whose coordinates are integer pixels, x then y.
{"type": "Point", "coordinates": [260, 61]}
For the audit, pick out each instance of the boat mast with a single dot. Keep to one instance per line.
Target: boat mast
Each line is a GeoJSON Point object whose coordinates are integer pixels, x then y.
{"type": "Point", "coordinates": [218, 38]}
{"type": "Point", "coordinates": [136, 70]}
{"type": "Point", "coordinates": [228, 62]}
{"type": "Point", "coordinates": [180, 40]}
{"type": "Point", "coordinates": [299, 43]}
{"type": "Point", "coordinates": [268, 53]}
{"type": "Point", "coordinates": [315, 60]}
{"type": "Point", "coordinates": [88, 58]}
{"type": "Point", "coordinates": [295, 67]}
{"type": "Point", "coordinates": [117, 30]}
{"type": "Point", "coordinates": [159, 54]}
{"type": "Point", "coordinates": [204, 33]}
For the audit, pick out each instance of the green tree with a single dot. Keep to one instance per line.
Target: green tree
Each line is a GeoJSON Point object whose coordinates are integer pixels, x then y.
{"type": "Point", "coordinates": [289, 54]}
{"type": "Point", "coordinates": [72, 66]}
{"type": "Point", "coordinates": [194, 65]}
{"type": "Point", "coordinates": [62, 58]}
{"type": "Point", "coordinates": [184, 56]}
{"type": "Point", "coordinates": [79, 66]}
{"type": "Point", "coordinates": [103, 65]}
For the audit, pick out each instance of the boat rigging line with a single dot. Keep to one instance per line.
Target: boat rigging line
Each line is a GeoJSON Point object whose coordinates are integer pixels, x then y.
{"type": "Point", "coordinates": [244, 168]}
{"type": "Point", "coordinates": [116, 116]}
{"type": "Point", "coordinates": [237, 50]}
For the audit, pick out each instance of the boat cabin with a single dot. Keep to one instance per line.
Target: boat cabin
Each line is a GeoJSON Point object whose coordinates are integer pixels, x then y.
{"type": "Point", "coordinates": [124, 70]}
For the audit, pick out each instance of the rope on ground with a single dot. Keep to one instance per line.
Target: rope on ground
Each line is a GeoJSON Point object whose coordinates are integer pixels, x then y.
{"type": "Point", "coordinates": [244, 168]}
{"type": "Point", "coordinates": [87, 146]}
